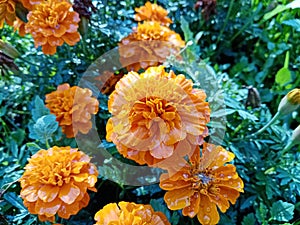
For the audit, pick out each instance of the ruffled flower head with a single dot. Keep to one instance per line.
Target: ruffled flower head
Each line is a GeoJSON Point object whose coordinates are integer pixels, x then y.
{"type": "Point", "coordinates": [152, 12]}
{"type": "Point", "coordinates": [155, 114]}
{"type": "Point", "coordinates": [203, 184]}
{"type": "Point", "coordinates": [51, 23]}
{"type": "Point", "coordinates": [56, 181]}
{"type": "Point", "coordinates": [126, 213]}
{"type": "Point", "coordinates": [73, 108]}
{"type": "Point", "coordinates": [149, 45]}
{"type": "Point", "coordinates": [7, 12]}
{"type": "Point", "coordinates": [19, 25]}
{"type": "Point", "coordinates": [30, 4]}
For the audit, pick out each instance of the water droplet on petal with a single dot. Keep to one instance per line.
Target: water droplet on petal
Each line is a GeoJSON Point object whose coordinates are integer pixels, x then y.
{"type": "Point", "coordinates": [208, 209]}
{"type": "Point", "coordinates": [225, 195]}
{"type": "Point", "coordinates": [229, 177]}
{"type": "Point", "coordinates": [221, 175]}
{"type": "Point", "coordinates": [185, 175]}
{"type": "Point", "coordinates": [206, 219]}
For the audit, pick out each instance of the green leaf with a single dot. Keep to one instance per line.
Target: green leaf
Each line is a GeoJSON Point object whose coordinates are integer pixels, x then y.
{"type": "Point", "coordinates": [283, 76]}
{"type": "Point", "coordinates": [39, 109]}
{"type": "Point", "coordinates": [44, 128]}
{"type": "Point", "coordinates": [282, 211]}
{"type": "Point", "coordinates": [274, 12]}
{"type": "Point", "coordinates": [249, 219]}
{"type": "Point", "coordinates": [295, 23]}
{"type": "Point", "coordinates": [15, 200]}
{"type": "Point", "coordinates": [261, 214]}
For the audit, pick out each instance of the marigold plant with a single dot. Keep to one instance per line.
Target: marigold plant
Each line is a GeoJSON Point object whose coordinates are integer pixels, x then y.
{"type": "Point", "coordinates": [155, 114]}
{"type": "Point", "coordinates": [73, 108]}
{"type": "Point", "coordinates": [7, 12]}
{"type": "Point", "coordinates": [56, 181]}
{"type": "Point", "coordinates": [149, 45]}
{"type": "Point", "coordinates": [30, 4]}
{"type": "Point", "coordinates": [126, 213]}
{"type": "Point", "coordinates": [51, 23]}
{"type": "Point", "coordinates": [203, 184]}
{"type": "Point", "coordinates": [152, 12]}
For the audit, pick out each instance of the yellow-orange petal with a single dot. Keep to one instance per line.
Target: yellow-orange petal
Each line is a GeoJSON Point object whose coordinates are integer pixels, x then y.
{"type": "Point", "coordinates": [68, 193]}
{"type": "Point", "coordinates": [179, 198]}
{"type": "Point", "coordinates": [193, 209]}
{"type": "Point", "coordinates": [208, 213]}
{"type": "Point", "coordinates": [108, 214]}
{"type": "Point", "coordinates": [48, 193]}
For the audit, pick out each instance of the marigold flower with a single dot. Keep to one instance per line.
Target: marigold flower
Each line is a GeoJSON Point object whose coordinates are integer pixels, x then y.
{"type": "Point", "coordinates": [152, 12]}
{"type": "Point", "coordinates": [204, 183]}
{"type": "Point", "coordinates": [149, 45]}
{"type": "Point", "coordinates": [73, 108]}
{"type": "Point", "coordinates": [290, 102]}
{"type": "Point", "coordinates": [156, 113]}
{"type": "Point", "coordinates": [127, 213]}
{"type": "Point", "coordinates": [296, 136]}
{"type": "Point", "coordinates": [7, 12]}
{"type": "Point", "coordinates": [56, 181]}
{"type": "Point", "coordinates": [51, 23]}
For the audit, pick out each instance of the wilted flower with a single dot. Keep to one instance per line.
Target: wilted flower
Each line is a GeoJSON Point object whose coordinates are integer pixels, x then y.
{"type": "Point", "coordinates": [20, 26]}
{"type": "Point", "coordinates": [203, 184]}
{"type": "Point", "coordinates": [126, 213]}
{"type": "Point", "coordinates": [7, 12]}
{"type": "Point", "coordinates": [152, 12]}
{"type": "Point", "coordinates": [155, 114]}
{"type": "Point", "coordinates": [56, 181]}
{"type": "Point", "coordinates": [51, 23]}
{"type": "Point", "coordinates": [84, 8]}
{"type": "Point", "coordinates": [149, 45]}
{"type": "Point", "coordinates": [290, 102]}
{"type": "Point", "coordinates": [73, 108]}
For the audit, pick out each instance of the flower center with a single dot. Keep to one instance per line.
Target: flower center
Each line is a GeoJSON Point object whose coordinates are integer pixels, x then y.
{"type": "Point", "coordinates": [201, 179]}
{"type": "Point", "coordinates": [148, 110]}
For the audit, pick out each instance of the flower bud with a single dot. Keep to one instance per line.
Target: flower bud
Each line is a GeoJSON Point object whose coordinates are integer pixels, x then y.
{"type": "Point", "coordinates": [296, 136]}
{"type": "Point", "coordinates": [290, 102]}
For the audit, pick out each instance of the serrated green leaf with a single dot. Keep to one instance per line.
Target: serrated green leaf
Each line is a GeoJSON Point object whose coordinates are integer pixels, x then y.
{"type": "Point", "coordinates": [15, 200]}
{"type": "Point", "coordinates": [282, 211]}
{"type": "Point", "coordinates": [261, 214]}
{"type": "Point", "coordinates": [249, 219]}
{"type": "Point", "coordinates": [44, 128]}
{"type": "Point", "coordinates": [39, 109]}
{"type": "Point", "coordinates": [295, 23]}
{"type": "Point", "coordinates": [283, 76]}
{"type": "Point", "coordinates": [245, 115]}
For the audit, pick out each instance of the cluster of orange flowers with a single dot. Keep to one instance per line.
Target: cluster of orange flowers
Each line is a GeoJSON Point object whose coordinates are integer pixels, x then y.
{"type": "Point", "coordinates": [151, 41]}
{"type": "Point", "coordinates": [50, 22]}
{"type": "Point", "coordinates": [158, 118]}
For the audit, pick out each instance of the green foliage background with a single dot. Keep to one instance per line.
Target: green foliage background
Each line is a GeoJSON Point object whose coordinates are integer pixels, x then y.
{"type": "Point", "coordinates": [248, 43]}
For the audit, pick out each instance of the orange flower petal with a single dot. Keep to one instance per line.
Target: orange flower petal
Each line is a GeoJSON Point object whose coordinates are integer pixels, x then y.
{"type": "Point", "coordinates": [178, 199]}
{"type": "Point", "coordinates": [48, 193]}
{"type": "Point", "coordinates": [193, 209]}
{"type": "Point", "coordinates": [68, 193]}
{"type": "Point", "coordinates": [71, 38]}
{"type": "Point", "coordinates": [208, 214]}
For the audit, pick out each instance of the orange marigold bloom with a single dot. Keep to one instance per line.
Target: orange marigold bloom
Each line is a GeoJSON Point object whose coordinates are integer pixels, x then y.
{"type": "Point", "coordinates": [149, 45]}
{"type": "Point", "coordinates": [152, 12]}
{"type": "Point", "coordinates": [204, 183]}
{"type": "Point", "coordinates": [7, 12]}
{"type": "Point", "coordinates": [51, 23]}
{"type": "Point", "coordinates": [155, 114]}
{"type": "Point", "coordinates": [56, 181]}
{"type": "Point", "coordinates": [20, 26]}
{"type": "Point", "coordinates": [73, 108]}
{"type": "Point", "coordinates": [129, 214]}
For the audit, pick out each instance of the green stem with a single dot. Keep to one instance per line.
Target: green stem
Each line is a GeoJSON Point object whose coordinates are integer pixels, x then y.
{"type": "Point", "coordinates": [287, 147]}
{"type": "Point", "coordinates": [226, 21]}
{"type": "Point", "coordinates": [275, 118]}
{"type": "Point", "coordinates": [47, 144]}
